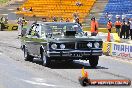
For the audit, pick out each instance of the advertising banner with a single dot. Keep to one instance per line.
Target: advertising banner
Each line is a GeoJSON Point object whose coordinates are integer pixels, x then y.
{"type": "Point", "coordinates": [121, 50]}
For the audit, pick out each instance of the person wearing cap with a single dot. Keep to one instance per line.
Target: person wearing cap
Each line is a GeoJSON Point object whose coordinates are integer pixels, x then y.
{"type": "Point", "coordinates": [118, 26]}
{"type": "Point", "coordinates": [109, 26]}
{"type": "Point", "coordinates": [94, 27]}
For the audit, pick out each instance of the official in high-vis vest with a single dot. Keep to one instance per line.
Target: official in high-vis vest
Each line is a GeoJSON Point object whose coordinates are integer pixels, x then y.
{"type": "Point", "coordinates": [94, 27]}
{"type": "Point", "coordinates": [118, 26]}
{"type": "Point", "coordinates": [109, 25]}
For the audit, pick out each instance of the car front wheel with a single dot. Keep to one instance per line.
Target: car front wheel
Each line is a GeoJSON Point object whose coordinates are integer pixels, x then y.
{"type": "Point", "coordinates": [45, 60]}
{"type": "Point", "coordinates": [27, 56]}
{"type": "Point", "coordinates": [94, 61]}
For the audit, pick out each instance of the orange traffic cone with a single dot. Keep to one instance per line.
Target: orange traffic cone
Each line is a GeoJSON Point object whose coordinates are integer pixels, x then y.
{"type": "Point", "coordinates": [84, 73]}
{"type": "Point", "coordinates": [108, 37]}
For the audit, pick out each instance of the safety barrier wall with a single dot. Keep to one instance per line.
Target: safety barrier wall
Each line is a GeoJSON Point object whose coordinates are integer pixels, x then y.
{"type": "Point", "coordinates": [119, 50]}
{"type": "Point", "coordinates": [9, 27]}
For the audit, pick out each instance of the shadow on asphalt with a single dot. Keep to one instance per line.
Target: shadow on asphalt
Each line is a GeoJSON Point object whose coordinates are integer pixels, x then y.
{"type": "Point", "coordinates": [69, 65]}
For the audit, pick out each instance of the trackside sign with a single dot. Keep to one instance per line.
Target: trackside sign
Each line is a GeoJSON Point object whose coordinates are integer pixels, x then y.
{"type": "Point", "coordinates": [121, 50]}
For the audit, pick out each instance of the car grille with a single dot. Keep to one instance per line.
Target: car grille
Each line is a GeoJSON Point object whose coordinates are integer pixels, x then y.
{"type": "Point", "coordinates": [70, 45]}
{"type": "Point", "coordinates": [82, 45]}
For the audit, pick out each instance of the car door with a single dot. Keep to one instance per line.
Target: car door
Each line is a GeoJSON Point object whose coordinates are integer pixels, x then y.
{"type": "Point", "coordinates": [28, 40]}
{"type": "Point", "coordinates": [36, 40]}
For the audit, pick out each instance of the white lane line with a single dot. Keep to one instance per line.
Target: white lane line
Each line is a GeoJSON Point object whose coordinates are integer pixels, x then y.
{"type": "Point", "coordinates": [10, 9]}
{"type": "Point", "coordinates": [38, 83]}
{"type": "Point", "coordinates": [4, 14]}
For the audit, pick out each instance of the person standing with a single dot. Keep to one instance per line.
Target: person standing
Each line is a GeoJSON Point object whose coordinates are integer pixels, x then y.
{"type": "Point", "coordinates": [67, 20]}
{"type": "Point", "coordinates": [131, 28]}
{"type": "Point", "coordinates": [118, 26]}
{"type": "Point", "coordinates": [20, 24]}
{"type": "Point", "coordinates": [94, 27]}
{"type": "Point", "coordinates": [123, 30]}
{"type": "Point", "coordinates": [109, 26]}
{"type": "Point", "coordinates": [77, 21]}
{"type": "Point", "coordinates": [127, 29]}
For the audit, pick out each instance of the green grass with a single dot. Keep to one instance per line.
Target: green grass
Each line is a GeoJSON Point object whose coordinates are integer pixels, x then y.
{"type": "Point", "coordinates": [100, 30]}
{"type": "Point", "coordinates": [3, 1]}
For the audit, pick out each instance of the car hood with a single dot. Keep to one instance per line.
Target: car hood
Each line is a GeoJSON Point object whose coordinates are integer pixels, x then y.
{"type": "Point", "coordinates": [74, 39]}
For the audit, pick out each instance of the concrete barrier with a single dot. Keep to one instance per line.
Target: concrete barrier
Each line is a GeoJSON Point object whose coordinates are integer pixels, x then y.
{"type": "Point", "coordinates": [121, 50]}
{"type": "Point", "coordinates": [12, 27]}
{"type": "Point", "coordinates": [115, 49]}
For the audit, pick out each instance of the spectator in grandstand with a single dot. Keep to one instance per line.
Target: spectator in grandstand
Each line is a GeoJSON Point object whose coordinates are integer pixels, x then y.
{"type": "Point", "coordinates": [61, 20]}
{"type": "Point", "coordinates": [123, 30]}
{"type": "Point", "coordinates": [117, 16]}
{"type": "Point", "coordinates": [123, 17]}
{"type": "Point", "coordinates": [94, 27]}
{"type": "Point", "coordinates": [109, 25]}
{"type": "Point", "coordinates": [77, 21]}
{"type": "Point", "coordinates": [131, 28]}
{"type": "Point", "coordinates": [54, 19]}
{"type": "Point", "coordinates": [128, 29]}
{"type": "Point", "coordinates": [44, 19]}
{"type": "Point", "coordinates": [67, 20]}
{"type": "Point", "coordinates": [106, 15]}
{"type": "Point", "coordinates": [24, 9]}
{"type": "Point", "coordinates": [79, 3]}
{"type": "Point", "coordinates": [110, 16]}
{"type": "Point", "coordinates": [75, 16]}
{"type": "Point", "coordinates": [118, 26]}
{"type": "Point", "coordinates": [18, 9]}
{"type": "Point", "coordinates": [31, 9]}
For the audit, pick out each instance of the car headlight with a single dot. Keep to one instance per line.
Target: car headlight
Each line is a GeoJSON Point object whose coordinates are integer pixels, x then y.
{"type": "Point", "coordinates": [89, 45]}
{"type": "Point", "coordinates": [62, 46]}
{"type": "Point", "coordinates": [96, 45]}
{"type": "Point", "coordinates": [54, 46]}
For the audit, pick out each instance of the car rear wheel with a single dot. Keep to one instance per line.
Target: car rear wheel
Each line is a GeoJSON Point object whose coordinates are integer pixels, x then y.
{"type": "Point", "coordinates": [45, 60]}
{"type": "Point", "coordinates": [94, 61]}
{"type": "Point", "coordinates": [27, 56]}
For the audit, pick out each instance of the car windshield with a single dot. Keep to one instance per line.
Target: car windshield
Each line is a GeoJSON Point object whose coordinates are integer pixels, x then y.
{"type": "Point", "coordinates": [59, 29]}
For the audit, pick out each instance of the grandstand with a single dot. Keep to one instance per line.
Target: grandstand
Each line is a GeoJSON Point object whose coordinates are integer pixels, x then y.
{"type": "Point", "coordinates": [117, 7]}
{"type": "Point", "coordinates": [58, 8]}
